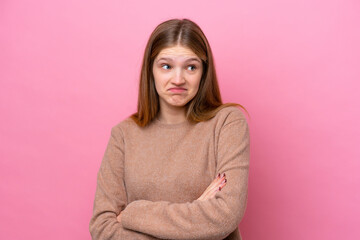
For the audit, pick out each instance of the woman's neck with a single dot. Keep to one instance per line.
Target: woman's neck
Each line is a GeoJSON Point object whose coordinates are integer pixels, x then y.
{"type": "Point", "coordinates": [172, 115]}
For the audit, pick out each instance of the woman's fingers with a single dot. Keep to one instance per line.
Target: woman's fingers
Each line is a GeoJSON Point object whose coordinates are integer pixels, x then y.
{"type": "Point", "coordinates": [218, 183]}
{"type": "Point", "coordinates": [223, 183]}
{"type": "Point", "coordinates": [216, 189]}
{"type": "Point", "coordinates": [214, 185]}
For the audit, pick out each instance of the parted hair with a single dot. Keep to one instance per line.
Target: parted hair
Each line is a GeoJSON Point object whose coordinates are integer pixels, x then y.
{"type": "Point", "coordinates": [207, 101]}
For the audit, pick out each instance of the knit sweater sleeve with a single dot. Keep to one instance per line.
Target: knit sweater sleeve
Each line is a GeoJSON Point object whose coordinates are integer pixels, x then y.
{"type": "Point", "coordinates": [110, 195]}
{"type": "Point", "coordinates": [214, 218]}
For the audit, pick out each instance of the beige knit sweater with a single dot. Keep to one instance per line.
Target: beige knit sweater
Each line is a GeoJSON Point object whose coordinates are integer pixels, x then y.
{"type": "Point", "coordinates": [154, 175]}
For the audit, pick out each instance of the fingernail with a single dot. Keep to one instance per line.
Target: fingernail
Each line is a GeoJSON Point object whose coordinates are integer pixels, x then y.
{"type": "Point", "coordinates": [223, 175]}
{"type": "Point", "coordinates": [219, 175]}
{"type": "Point", "coordinates": [219, 188]}
{"type": "Point", "coordinates": [225, 180]}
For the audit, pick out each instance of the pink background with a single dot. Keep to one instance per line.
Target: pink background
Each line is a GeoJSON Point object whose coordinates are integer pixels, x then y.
{"type": "Point", "coordinates": [69, 72]}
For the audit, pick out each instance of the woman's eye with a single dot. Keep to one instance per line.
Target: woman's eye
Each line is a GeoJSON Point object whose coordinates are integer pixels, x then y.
{"type": "Point", "coordinates": [165, 66]}
{"type": "Point", "coordinates": [192, 68]}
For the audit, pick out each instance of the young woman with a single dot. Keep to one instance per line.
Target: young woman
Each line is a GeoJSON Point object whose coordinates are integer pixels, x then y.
{"type": "Point", "coordinates": [165, 168]}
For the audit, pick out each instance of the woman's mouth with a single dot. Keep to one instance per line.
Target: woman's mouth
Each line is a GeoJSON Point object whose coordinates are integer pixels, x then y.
{"type": "Point", "coordinates": [177, 90]}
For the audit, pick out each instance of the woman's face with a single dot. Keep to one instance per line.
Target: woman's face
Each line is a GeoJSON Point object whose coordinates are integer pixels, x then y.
{"type": "Point", "coordinates": [177, 72]}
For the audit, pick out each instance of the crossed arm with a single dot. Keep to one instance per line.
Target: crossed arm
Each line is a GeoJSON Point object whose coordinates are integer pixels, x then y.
{"type": "Point", "coordinates": [110, 196]}
{"type": "Point", "coordinates": [214, 218]}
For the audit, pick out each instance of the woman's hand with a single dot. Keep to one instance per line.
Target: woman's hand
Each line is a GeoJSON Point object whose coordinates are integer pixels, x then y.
{"type": "Point", "coordinates": [119, 218]}
{"type": "Point", "coordinates": [214, 187]}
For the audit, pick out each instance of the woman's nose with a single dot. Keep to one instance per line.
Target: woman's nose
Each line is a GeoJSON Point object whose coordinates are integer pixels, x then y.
{"type": "Point", "coordinates": [178, 77]}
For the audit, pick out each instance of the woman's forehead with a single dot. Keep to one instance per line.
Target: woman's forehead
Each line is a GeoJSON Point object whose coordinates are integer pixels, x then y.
{"type": "Point", "coordinates": [177, 52]}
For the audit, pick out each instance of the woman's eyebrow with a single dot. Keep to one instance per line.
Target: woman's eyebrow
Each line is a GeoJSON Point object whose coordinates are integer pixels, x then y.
{"type": "Point", "coordinates": [187, 60]}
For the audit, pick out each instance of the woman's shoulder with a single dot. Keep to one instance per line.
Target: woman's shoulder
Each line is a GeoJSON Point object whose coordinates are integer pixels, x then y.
{"type": "Point", "coordinates": [229, 114]}
{"type": "Point", "coordinates": [231, 117]}
{"type": "Point", "coordinates": [224, 116]}
{"type": "Point", "coordinates": [124, 125]}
